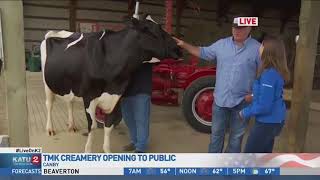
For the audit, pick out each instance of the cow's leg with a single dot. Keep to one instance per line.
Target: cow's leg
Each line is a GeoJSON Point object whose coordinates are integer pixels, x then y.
{"type": "Point", "coordinates": [49, 103]}
{"type": "Point", "coordinates": [90, 107]}
{"type": "Point", "coordinates": [111, 120]}
{"type": "Point", "coordinates": [71, 123]}
{"type": "Point", "coordinates": [106, 140]}
{"type": "Point", "coordinates": [92, 112]}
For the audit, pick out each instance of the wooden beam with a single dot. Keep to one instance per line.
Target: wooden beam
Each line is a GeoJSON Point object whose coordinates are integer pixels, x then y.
{"type": "Point", "coordinates": [47, 18]}
{"type": "Point", "coordinates": [169, 15]}
{"type": "Point", "coordinates": [99, 20]}
{"type": "Point", "coordinates": [42, 29]}
{"type": "Point", "coordinates": [303, 74]}
{"type": "Point", "coordinates": [131, 4]}
{"type": "Point", "coordinates": [44, 5]}
{"type": "Point", "coordinates": [180, 5]}
{"type": "Point", "coordinates": [14, 72]}
{"type": "Point", "coordinates": [33, 40]}
{"type": "Point", "coordinates": [102, 9]}
{"type": "Point", "coordinates": [73, 15]}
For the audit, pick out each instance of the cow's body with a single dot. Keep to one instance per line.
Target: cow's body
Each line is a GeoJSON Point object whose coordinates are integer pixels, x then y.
{"type": "Point", "coordinates": [66, 74]}
{"type": "Point", "coordinates": [94, 66]}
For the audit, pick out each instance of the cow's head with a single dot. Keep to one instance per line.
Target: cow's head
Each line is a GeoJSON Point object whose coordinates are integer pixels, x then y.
{"type": "Point", "coordinates": [121, 53]}
{"type": "Point", "coordinates": [154, 40]}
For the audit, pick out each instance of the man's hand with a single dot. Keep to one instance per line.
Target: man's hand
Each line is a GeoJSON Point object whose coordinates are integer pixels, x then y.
{"type": "Point", "coordinates": [194, 50]}
{"type": "Point", "coordinates": [179, 41]}
{"type": "Point", "coordinates": [248, 98]}
{"type": "Point", "coordinates": [240, 116]}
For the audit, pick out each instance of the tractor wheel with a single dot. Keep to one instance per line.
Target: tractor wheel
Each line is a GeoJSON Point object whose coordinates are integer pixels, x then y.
{"type": "Point", "coordinates": [197, 103]}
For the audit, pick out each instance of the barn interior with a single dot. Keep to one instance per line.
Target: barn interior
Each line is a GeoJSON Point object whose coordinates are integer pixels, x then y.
{"type": "Point", "coordinates": [200, 22]}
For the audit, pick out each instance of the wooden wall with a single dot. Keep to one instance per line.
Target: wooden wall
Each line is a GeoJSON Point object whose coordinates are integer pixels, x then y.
{"type": "Point", "coordinates": [40, 16]}
{"type": "Point", "coordinates": [44, 15]}
{"type": "Point", "coordinates": [199, 29]}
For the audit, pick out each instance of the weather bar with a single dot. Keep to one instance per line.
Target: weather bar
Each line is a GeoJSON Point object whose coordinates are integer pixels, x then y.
{"type": "Point", "coordinates": [200, 171]}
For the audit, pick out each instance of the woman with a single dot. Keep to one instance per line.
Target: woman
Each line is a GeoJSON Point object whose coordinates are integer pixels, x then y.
{"type": "Point", "coordinates": [268, 106]}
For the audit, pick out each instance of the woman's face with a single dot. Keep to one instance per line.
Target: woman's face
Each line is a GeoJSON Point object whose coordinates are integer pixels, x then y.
{"type": "Point", "coordinates": [261, 50]}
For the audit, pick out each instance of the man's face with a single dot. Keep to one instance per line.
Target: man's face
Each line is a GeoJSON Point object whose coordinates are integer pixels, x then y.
{"type": "Point", "coordinates": [240, 34]}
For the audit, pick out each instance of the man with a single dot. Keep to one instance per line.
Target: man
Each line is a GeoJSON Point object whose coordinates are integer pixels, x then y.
{"type": "Point", "coordinates": [135, 107]}
{"type": "Point", "coordinates": [237, 60]}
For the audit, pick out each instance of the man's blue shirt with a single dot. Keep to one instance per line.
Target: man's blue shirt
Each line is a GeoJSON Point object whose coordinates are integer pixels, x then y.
{"type": "Point", "coordinates": [236, 69]}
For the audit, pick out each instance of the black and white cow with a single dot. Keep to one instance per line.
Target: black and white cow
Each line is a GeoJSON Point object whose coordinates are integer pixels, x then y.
{"type": "Point", "coordinates": [97, 67]}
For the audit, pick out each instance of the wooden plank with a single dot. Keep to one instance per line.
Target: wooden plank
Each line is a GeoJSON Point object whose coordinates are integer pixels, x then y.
{"type": "Point", "coordinates": [50, 4]}
{"type": "Point", "coordinates": [33, 120]}
{"type": "Point", "coordinates": [15, 78]}
{"type": "Point", "coordinates": [97, 21]}
{"type": "Point", "coordinates": [46, 23]}
{"type": "Point", "coordinates": [32, 40]}
{"type": "Point", "coordinates": [114, 5]}
{"type": "Point", "coordinates": [99, 15]}
{"type": "Point", "coordinates": [45, 18]}
{"type": "Point", "coordinates": [102, 9]}
{"type": "Point", "coordinates": [3, 114]}
{"type": "Point", "coordinates": [41, 111]}
{"type": "Point", "coordinates": [43, 11]}
{"type": "Point", "coordinates": [145, 8]}
{"type": "Point", "coordinates": [41, 29]}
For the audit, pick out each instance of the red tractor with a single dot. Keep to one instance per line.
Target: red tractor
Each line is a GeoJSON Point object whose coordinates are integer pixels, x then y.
{"type": "Point", "coordinates": [197, 84]}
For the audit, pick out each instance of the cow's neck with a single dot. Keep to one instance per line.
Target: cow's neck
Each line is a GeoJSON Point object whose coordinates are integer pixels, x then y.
{"type": "Point", "coordinates": [121, 57]}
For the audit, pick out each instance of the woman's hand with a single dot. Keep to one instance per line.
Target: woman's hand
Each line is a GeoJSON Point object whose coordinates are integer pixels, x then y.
{"type": "Point", "coordinates": [248, 98]}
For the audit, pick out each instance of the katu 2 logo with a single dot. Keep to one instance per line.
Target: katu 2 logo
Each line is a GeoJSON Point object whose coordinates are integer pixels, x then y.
{"type": "Point", "coordinates": [27, 160]}
{"type": "Point", "coordinates": [36, 159]}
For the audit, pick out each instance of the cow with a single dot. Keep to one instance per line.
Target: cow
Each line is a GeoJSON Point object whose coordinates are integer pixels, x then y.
{"type": "Point", "coordinates": [97, 67]}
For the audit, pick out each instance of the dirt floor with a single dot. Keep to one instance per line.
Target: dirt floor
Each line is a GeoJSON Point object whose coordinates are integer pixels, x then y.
{"type": "Point", "coordinates": [169, 131]}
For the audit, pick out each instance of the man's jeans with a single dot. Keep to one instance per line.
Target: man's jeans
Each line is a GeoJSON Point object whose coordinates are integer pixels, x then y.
{"type": "Point", "coordinates": [222, 116]}
{"type": "Point", "coordinates": [136, 114]}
